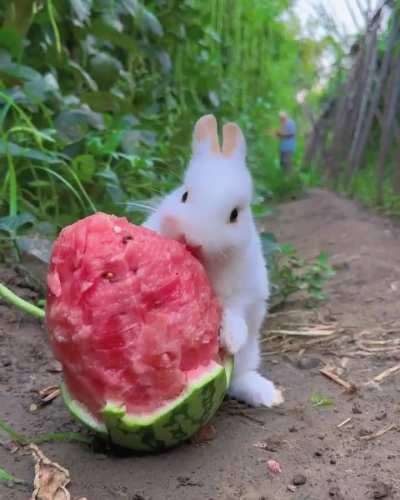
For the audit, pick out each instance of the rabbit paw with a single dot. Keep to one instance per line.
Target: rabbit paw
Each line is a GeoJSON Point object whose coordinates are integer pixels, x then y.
{"type": "Point", "coordinates": [233, 332]}
{"type": "Point", "coordinates": [255, 390]}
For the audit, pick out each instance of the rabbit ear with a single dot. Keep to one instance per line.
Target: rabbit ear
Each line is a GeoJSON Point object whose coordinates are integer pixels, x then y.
{"type": "Point", "coordinates": [205, 136]}
{"type": "Point", "coordinates": [234, 143]}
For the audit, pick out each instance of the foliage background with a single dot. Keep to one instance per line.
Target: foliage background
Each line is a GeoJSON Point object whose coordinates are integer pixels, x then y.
{"type": "Point", "coordinates": [98, 98]}
{"type": "Point", "coordinates": [355, 138]}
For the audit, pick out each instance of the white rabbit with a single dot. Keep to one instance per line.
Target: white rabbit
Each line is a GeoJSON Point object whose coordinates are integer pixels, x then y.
{"type": "Point", "coordinates": [212, 211]}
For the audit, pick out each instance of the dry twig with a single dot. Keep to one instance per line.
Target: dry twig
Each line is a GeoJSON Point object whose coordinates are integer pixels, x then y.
{"type": "Point", "coordinates": [386, 373]}
{"type": "Point", "coordinates": [305, 331]}
{"type": "Point", "coordinates": [345, 422]}
{"type": "Point", "coordinates": [350, 387]}
{"type": "Point", "coordinates": [378, 434]}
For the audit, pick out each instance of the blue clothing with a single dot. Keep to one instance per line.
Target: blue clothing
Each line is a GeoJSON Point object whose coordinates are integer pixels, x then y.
{"type": "Point", "coordinates": [288, 143]}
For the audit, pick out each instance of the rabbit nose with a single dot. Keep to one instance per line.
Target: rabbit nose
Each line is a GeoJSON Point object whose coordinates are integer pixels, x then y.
{"type": "Point", "coordinates": [170, 226]}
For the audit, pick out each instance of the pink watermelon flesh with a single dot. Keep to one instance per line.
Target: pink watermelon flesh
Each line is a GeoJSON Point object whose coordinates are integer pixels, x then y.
{"type": "Point", "coordinates": [131, 316]}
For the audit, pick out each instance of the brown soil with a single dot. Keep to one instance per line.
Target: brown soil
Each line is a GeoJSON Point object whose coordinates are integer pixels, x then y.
{"type": "Point", "coordinates": [336, 462]}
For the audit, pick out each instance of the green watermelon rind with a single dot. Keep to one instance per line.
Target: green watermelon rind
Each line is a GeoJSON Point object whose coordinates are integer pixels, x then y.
{"type": "Point", "coordinates": [81, 414]}
{"type": "Point", "coordinates": [166, 428]}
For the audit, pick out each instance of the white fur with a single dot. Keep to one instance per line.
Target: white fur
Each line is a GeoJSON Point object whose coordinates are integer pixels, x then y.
{"type": "Point", "coordinates": [231, 253]}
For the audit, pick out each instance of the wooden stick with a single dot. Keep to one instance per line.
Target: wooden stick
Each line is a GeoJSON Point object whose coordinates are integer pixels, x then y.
{"type": "Point", "coordinates": [52, 395]}
{"type": "Point", "coordinates": [332, 376]}
{"type": "Point", "coordinates": [342, 424]}
{"type": "Point", "coordinates": [310, 332]}
{"type": "Point", "coordinates": [386, 373]}
{"type": "Point", "coordinates": [48, 390]}
{"type": "Point", "coordinates": [377, 434]}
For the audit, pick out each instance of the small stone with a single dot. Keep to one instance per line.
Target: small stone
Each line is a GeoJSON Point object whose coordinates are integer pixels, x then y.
{"type": "Point", "coordinates": [292, 488]}
{"type": "Point", "coordinates": [356, 409]}
{"type": "Point", "coordinates": [274, 466]}
{"type": "Point", "coordinates": [308, 363]}
{"type": "Point", "coordinates": [318, 453]}
{"type": "Point", "coordinates": [206, 433]}
{"type": "Point", "coordinates": [341, 266]}
{"type": "Point", "coordinates": [335, 494]}
{"type": "Point", "coordinates": [380, 490]}
{"type": "Point", "coordinates": [270, 444]}
{"type": "Point", "coordinates": [33, 407]}
{"type": "Point", "coordinates": [332, 461]}
{"type": "Point", "coordinates": [54, 367]}
{"type": "Point", "coordinates": [293, 429]}
{"type": "Point", "coordinates": [299, 479]}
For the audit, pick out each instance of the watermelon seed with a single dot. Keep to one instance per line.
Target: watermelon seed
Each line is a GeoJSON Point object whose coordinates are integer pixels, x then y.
{"type": "Point", "coordinates": [125, 239]}
{"type": "Point", "coordinates": [108, 276]}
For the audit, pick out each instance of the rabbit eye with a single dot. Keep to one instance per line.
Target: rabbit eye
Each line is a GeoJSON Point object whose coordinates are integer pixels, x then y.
{"type": "Point", "coordinates": [185, 196]}
{"type": "Point", "coordinates": [234, 215]}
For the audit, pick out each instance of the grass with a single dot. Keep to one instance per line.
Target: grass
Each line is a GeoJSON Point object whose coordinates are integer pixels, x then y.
{"type": "Point", "coordinates": [6, 477]}
{"type": "Point", "coordinates": [48, 437]}
{"type": "Point", "coordinates": [319, 400]}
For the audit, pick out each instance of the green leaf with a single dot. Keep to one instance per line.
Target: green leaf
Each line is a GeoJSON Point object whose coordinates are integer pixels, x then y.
{"type": "Point", "coordinates": [85, 167]}
{"type": "Point", "coordinates": [149, 22]}
{"type": "Point", "coordinates": [47, 437]}
{"type": "Point", "coordinates": [11, 40]}
{"type": "Point", "coordinates": [12, 223]}
{"type": "Point", "coordinates": [13, 149]}
{"type": "Point", "coordinates": [105, 32]}
{"type": "Point", "coordinates": [165, 61]}
{"type": "Point", "coordinates": [9, 478]}
{"type": "Point", "coordinates": [260, 210]}
{"type": "Point", "coordinates": [14, 435]}
{"type": "Point", "coordinates": [83, 74]}
{"type": "Point", "coordinates": [101, 101]}
{"type": "Point", "coordinates": [105, 69]}
{"type": "Point", "coordinates": [73, 124]}
{"type": "Point", "coordinates": [81, 9]}
{"type": "Point", "coordinates": [269, 244]}
{"type": "Point", "coordinates": [61, 437]}
{"type": "Point", "coordinates": [113, 185]}
{"type": "Point", "coordinates": [130, 6]}
{"type": "Point", "coordinates": [287, 248]}
{"type": "Point", "coordinates": [214, 99]}
{"type": "Point", "coordinates": [319, 400]}
{"type": "Point", "coordinates": [39, 183]}
{"type": "Point", "coordinates": [18, 71]}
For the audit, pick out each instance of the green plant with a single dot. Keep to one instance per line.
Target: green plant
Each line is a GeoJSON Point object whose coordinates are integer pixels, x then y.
{"type": "Point", "coordinates": [319, 400]}
{"type": "Point", "coordinates": [97, 100]}
{"type": "Point", "coordinates": [290, 274]}
{"type": "Point", "coordinates": [48, 437]}
{"type": "Point", "coordinates": [9, 478]}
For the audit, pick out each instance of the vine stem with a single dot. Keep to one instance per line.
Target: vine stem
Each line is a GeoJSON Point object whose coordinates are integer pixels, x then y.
{"type": "Point", "coordinates": [20, 303]}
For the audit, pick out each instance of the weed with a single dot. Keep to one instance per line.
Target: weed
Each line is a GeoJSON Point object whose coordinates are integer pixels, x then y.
{"type": "Point", "coordinates": [319, 400]}
{"type": "Point", "coordinates": [290, 274]}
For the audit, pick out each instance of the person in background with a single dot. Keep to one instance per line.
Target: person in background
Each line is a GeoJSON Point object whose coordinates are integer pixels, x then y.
{"type": "Point", "coordinates": [287, 136]}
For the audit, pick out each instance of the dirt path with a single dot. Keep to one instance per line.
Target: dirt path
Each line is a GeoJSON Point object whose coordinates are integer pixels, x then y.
{"type": "Point", "coordinates": [336, 462]}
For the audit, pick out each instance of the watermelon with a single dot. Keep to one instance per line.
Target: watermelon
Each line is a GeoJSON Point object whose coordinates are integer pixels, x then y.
{"type": "Point", "coordinates": [134, 321]}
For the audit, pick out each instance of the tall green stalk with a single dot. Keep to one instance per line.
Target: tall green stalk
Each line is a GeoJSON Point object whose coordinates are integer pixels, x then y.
{"type": "Point", "coordinates": [20, 303]}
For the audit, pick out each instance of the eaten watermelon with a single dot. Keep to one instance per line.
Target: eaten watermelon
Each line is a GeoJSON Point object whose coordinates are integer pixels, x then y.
{"type": "Point", "coordinates": [134, 321]}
